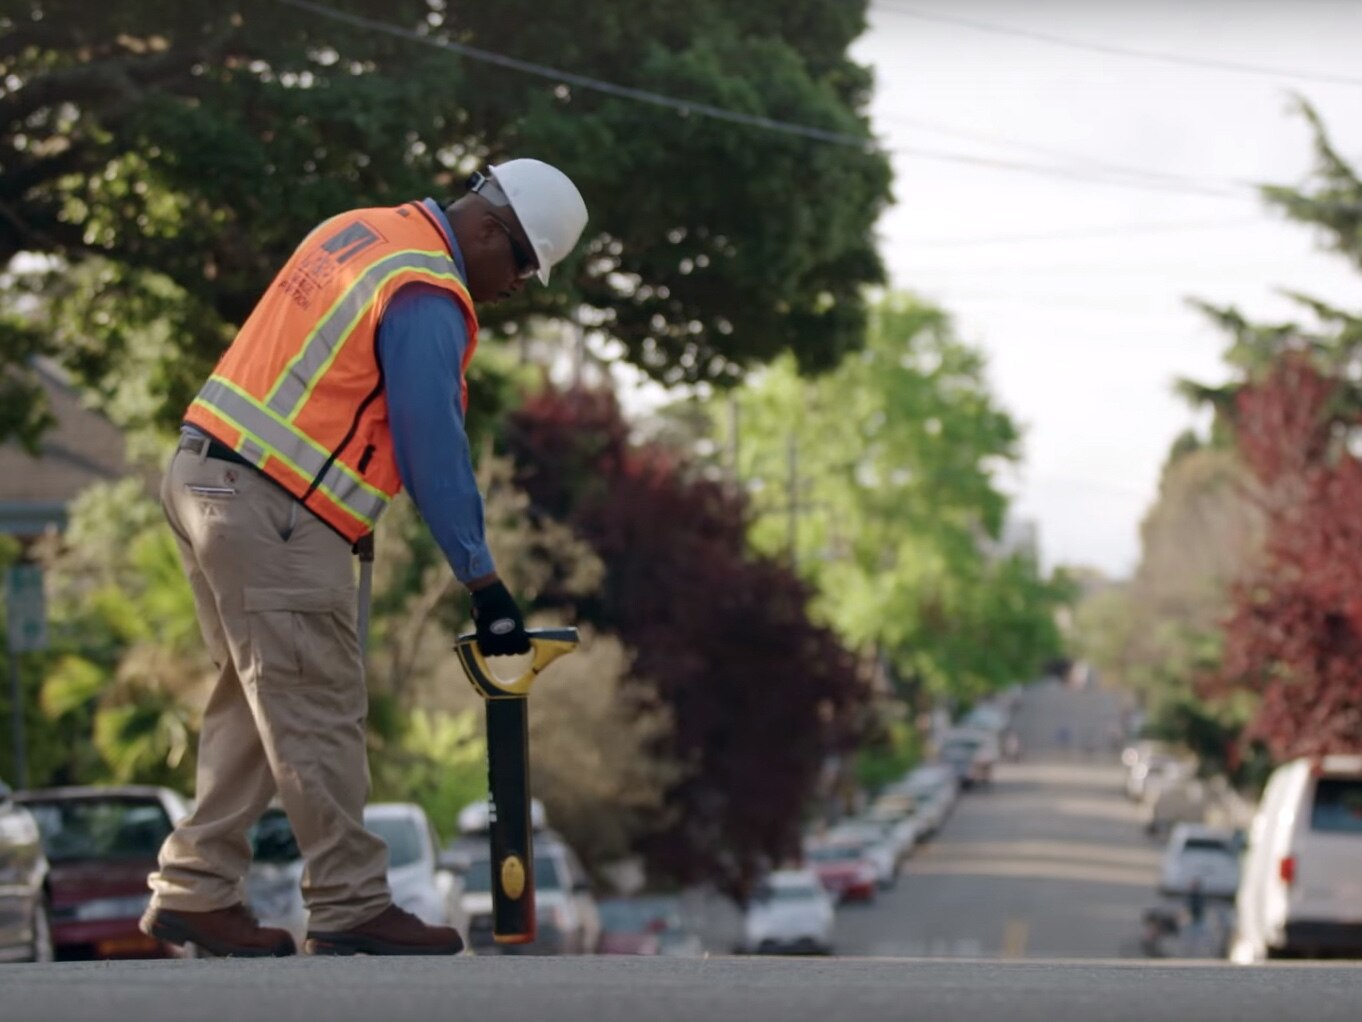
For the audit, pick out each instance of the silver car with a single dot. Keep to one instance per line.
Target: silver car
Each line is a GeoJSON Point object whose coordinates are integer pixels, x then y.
{"type": "Point", "coordinates": [1206, 856]}
{"type": "Point", "coordinates": [569, 920]}
{"type": "Point", "coordinates": [791, 913]}
{"type": "Point", "coordinates": [418, 883]}
{"type": "Point", "coordinates": [25, 926]}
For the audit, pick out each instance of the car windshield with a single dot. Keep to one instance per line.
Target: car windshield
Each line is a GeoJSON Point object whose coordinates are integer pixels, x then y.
{"type": "Point", "coordinates": [272, 839]}
{"type": "Point", "coordinates": [101, 828]}
{"type": "Point", "coordinates": [1207, 846]}
{"type": "Point", "coordinates": [402, 835]}
{"type": "Point", "coordinates": [835, 853]}
{"type": "Point", "coordinates": [787, 893]}
{"type": "Point", "coordinates": [546, 876]}
{"type": "Point", "coordinates": [1338, 806]}
{"type": "Point", "coordinates": [638, 916]}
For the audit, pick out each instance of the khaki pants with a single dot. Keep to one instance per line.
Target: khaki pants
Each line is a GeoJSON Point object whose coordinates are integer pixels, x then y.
{"type": "Point", "coordinates": [275, 593]}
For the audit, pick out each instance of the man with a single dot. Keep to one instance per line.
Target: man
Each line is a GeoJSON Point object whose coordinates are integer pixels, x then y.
{"type": "Point", "coordinates": [346, 383]}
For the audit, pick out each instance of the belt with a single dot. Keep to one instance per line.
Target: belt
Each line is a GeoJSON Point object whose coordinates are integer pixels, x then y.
{"type": "Point", "coordinates": [195, 444]}
{"type": "Point", "coordinates": [363, 548]}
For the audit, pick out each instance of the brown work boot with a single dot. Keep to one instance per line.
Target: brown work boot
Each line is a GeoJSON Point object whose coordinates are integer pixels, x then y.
{"type": "Point", "coordinates": [224, 932]}
{"type": "Point", "coordinates": [391, 932]}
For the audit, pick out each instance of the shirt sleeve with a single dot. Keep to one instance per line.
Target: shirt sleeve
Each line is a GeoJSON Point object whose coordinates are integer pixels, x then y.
{"type": "Point", "coordinates": [421, 342]}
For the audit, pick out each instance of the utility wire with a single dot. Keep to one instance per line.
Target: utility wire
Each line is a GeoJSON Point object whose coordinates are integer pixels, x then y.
{"type": "Point", "coordinates": [1085, 161]}
{"type": "Point", "coordinates": [1231, 190]}
{"type": "Point", "coordinates": [1113, 231]}
{"type": "Point", "coordinates": [1212, 63]}
{"type": "Point", "coordinates": [583, 81]}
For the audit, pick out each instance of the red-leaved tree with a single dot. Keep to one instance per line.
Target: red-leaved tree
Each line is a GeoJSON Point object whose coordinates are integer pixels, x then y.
{"type": "Point", "coordinates": [759, 695]}
{"type": "Point", "coordinates": [1295, 631]}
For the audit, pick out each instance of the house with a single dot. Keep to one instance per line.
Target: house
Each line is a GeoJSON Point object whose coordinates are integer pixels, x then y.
{"type": "Point", "coordinates": [82, 448]}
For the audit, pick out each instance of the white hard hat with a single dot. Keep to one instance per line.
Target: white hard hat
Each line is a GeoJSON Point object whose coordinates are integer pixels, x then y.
{"type": "Point", "coordinates": [548, 206]}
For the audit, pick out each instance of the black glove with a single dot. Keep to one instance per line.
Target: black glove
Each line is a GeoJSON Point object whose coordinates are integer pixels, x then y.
{"type": "Point", "coordinates": [501, 629]}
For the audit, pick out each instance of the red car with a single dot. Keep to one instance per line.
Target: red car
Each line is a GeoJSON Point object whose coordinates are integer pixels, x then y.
{"type": "Point", "coordinates": [101, 844]}
{"type": "Point", "coordinates": [843, 870]}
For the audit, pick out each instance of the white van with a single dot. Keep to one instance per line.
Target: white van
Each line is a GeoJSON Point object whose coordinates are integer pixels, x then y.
{"type": "Point", "coordinates": [1300, 892]}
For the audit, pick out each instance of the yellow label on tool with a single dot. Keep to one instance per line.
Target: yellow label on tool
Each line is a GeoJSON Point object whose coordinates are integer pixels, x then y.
{"type": "Point", "coordinates": [513, 877]}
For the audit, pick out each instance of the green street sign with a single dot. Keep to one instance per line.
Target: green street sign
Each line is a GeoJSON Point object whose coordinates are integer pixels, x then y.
{"type": "Point", "coordinates": [25, 608]}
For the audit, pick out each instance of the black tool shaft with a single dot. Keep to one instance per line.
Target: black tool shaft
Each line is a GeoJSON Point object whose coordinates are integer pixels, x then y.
{"type": "Point", "coordinates": [512, 836]}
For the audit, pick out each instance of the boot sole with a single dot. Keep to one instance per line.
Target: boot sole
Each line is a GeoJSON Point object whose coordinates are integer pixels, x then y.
{"type": "Point", "coordinates": [344, 945]}
{"type": "Point", "coordinates": [179, 935]}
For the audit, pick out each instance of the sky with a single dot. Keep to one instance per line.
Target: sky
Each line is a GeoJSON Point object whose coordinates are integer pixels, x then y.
{"type": "Point", "coordinates": [1086, 335]}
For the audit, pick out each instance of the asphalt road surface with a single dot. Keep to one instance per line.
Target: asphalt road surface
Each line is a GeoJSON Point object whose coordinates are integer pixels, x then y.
{"type": "Point", "coordinates": [671, 990]}
{"type": "Point", "coordinates": [1048, 861]}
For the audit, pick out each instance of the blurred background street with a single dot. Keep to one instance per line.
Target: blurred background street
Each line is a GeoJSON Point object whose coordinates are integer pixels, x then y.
{"type": "Point", "coordinates": [1048, 862]}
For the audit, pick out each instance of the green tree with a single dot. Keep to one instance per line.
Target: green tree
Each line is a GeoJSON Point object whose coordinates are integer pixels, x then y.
{"type": "Point", "coordinates": [183, 149]}
{"type": "Point", "coordinates": [123, 690]}
{"type": "Point", "coordinates": [1330, 337]}
{"type": "Point", "coordinates": [878, 480]}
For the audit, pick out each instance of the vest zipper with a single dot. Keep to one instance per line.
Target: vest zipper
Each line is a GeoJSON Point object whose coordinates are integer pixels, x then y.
{"type": "Point", "coordinates": [366, 457]}
{"type": "Point", "coordinates": [369, 399]}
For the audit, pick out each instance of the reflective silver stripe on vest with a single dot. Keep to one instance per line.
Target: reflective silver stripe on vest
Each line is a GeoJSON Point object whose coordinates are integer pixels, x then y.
{"type": "Point", "coordinates": [267, 435]}
{"type": "Point", "coordinates": [252, 451]}
{"type": "Point", "coordinates": [302, 371]}
{"type": "Point", "coordinates": [346, 490]}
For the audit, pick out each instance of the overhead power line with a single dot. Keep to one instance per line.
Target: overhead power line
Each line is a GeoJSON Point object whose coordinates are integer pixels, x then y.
{"type": "Point", "coordinates": [1084, 161]}
{"type": "Point", "coordinates": [1188, 60]}
{"type": "Point", "coordinates": [1112, 231]}
{"type": "Point", "coordinates": [595, 84]}
{"type": "Point", "coordinates": [1227, 190]}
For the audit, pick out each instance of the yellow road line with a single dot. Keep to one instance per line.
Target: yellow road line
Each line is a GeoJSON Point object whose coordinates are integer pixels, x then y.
{"type": "Point", "coordinates": [1014, 938]}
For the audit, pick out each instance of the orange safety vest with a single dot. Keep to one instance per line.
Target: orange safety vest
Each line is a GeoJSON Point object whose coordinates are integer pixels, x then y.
{"type": "Point", "coordinates": [299, 394]}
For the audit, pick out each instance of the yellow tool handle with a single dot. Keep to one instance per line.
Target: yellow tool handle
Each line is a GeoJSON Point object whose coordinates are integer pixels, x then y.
{"type": "Point", "coordinates": [546, 644]}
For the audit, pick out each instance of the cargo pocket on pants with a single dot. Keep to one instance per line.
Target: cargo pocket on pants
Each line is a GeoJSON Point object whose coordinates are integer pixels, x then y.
{"type": "Point", "coordinates": [304, 638]}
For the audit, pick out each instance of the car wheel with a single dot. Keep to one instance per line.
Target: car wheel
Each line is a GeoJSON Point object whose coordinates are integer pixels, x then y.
{"type": "Point", "coordinates": [43, 950]}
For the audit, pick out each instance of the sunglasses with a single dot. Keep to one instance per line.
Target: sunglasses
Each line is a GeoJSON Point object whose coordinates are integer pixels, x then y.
{"type": "Point", "coordinates": [526, 264]}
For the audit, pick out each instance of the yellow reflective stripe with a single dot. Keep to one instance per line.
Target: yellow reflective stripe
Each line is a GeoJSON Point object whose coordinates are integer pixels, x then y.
{"type": "Point", "coordinates": [300, 453]}
{"type": "Point", "coordinates": [323, 342]}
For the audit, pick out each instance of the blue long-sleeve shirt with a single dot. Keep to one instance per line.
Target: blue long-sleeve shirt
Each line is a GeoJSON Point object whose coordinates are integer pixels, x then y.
{"type": "Point", "coordinates": [421, 343]}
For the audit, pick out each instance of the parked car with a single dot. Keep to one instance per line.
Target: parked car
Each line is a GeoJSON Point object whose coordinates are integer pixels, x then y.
{"type": "Point", "coordinates": [934, 787]}
{"type": "Point", "coordinates": [895, 832]}
{"type": "Point", "coordinates": [1153, 765]}
{"type": "Point", "coordinates": [987, 716]}
{"type": "Point", "coordinates": [791, 913]}
{"type": "Point", "coordinates": [879, 850]}
{"type": "Point", "coordinates": [911, 818]}
{"type": "Point", "coordinates": [25, 926]}
{"type": "Point", "coordinates": [1172, 796]}
{"type": "Point", "coordinates": [971, 753]}
{"type": "Point", "coordinates": [1138, 751]}
{"type": "Point", "coordinates": [568, 919]}
{"type": "Point", "coordinates": [101, 845]}
{"type": "Point", "coordinates": [274, 880]}
{"type": "Point", "coordinates": [1207, 856]}
{"type": "Point", "coordinates": [646, 925]}
{"type": "Point", "coordinates": [1300, 890]}
{"type": "Point", "coordinates": [843, 870]}
{"type": "Point", "coordinates": [419, 883]}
